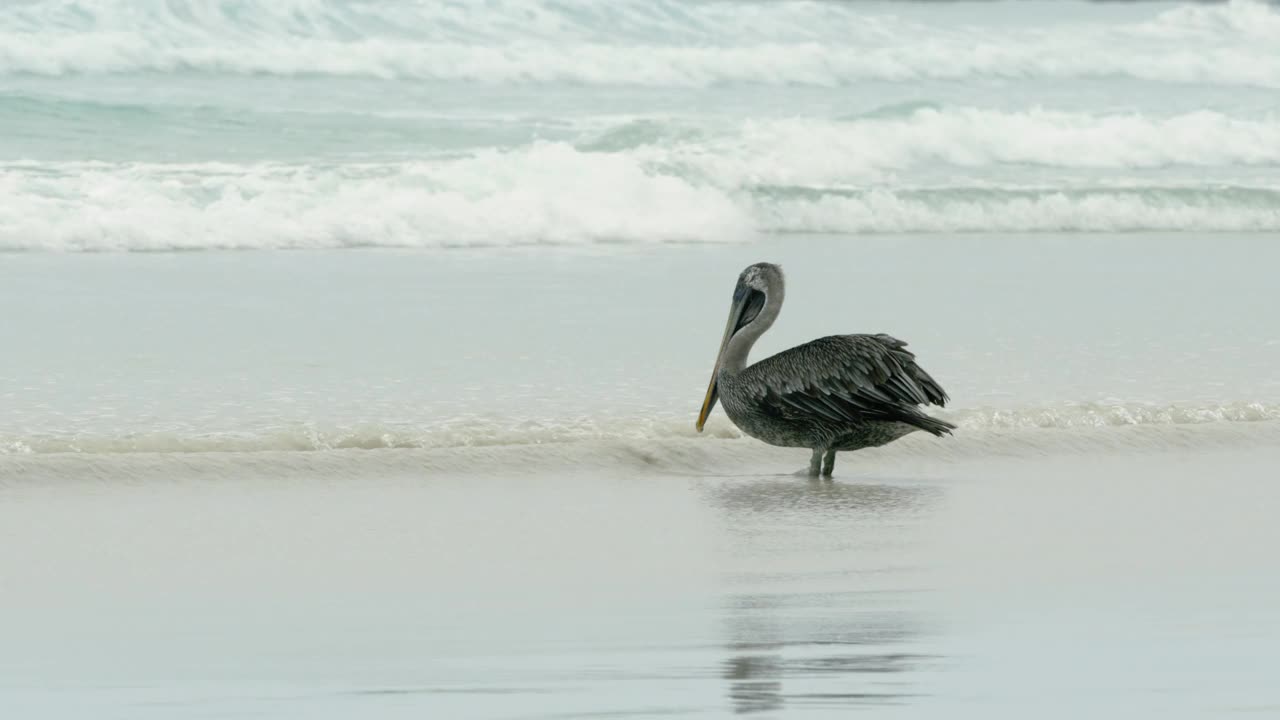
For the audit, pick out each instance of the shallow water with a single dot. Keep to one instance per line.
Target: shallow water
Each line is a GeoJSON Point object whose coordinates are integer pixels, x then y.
{"type": "Point", "coordinates": [273, 351]}
{"type": "Point", "coordinates": [1140, 583]}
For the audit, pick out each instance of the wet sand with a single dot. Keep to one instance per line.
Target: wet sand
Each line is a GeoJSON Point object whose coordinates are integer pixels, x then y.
{"type": "Point", "coordinates": [1141, 584]}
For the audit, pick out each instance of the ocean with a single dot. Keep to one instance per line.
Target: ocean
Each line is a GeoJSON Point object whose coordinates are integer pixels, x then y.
{"type": "Point", "coordinates": [351, 352]}
{"type": "Point", "coordinates": [150, 125]}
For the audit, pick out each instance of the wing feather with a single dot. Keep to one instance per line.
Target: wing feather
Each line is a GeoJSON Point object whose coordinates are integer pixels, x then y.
{"type": "Point", "coordinates": [849, 379]}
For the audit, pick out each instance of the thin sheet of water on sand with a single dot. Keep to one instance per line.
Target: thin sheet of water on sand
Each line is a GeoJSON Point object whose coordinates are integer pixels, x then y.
{"type": "Point", "coordinates": [1137, 583]}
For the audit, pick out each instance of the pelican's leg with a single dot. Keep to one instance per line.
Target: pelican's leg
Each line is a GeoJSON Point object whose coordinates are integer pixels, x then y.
{"type": "Point", "coordinates": [815, 465]}
{"type": "Point", "coordinates": [828, 464]}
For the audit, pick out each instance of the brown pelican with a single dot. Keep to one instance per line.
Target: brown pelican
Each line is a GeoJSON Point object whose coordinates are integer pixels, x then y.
{"type": "Point", "coordinates": [842, 392]}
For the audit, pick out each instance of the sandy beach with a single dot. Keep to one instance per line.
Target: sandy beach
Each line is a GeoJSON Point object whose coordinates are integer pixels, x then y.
{"type": "Point", "coordinates": [1141, 582]}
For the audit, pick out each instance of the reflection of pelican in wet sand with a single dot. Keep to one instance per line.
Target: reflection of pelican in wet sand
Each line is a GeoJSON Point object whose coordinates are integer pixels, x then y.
{"type": "Point", "coordinates": [838, 628]}
{"type": "Point", "coordinates": [837, 502]}
{"type": "Point", "coordinates": [842, 392]}
{"type": "Point", "coordinates": [767, 649]}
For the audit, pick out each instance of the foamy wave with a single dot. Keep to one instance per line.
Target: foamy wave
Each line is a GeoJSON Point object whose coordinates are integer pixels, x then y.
{"type": "Point", "coordinates": [824, 153]}
{"type": "Point", "coordinates": [1248, 20]}
{"type": "Point", "coordinates": [655, 451]}
{"type": "Point", "coordinates": [656, 182]}
{"type": "Point", "coordinates": [548, 193]}
{"type": "Point", "coordinates": [591, 199]}
{"type": "Point", "coordinates": [628, 42]}
{"type": "Point", "coordinates": [497, 432]}
{"type": "Point", "coordinates": [458, 433]}
{"type": "Point", "coordinates": [1103, 415]}
{"type": "Point", "coordinates": [1051, 211]}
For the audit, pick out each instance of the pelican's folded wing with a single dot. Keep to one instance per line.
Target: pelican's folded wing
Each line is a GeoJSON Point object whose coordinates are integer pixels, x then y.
{"type": "Point", "coordinates": [849, 378]}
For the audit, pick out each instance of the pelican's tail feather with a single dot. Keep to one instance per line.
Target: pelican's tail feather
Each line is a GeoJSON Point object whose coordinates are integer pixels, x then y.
{"type": "Point", "coordinates": [930, 424]}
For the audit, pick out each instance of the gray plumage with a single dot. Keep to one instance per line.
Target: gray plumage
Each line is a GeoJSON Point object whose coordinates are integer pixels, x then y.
{"type": "Point", "coordinates": [842, 392]}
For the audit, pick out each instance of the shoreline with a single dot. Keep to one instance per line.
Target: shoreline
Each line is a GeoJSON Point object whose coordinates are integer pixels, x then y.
{"type": "Point", "coordinates": [665, 456]}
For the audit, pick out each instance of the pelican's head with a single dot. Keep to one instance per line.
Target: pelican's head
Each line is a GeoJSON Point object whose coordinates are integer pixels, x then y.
{"type": "Point", "coordinates": [760, 286]}
{"type": "Point", "coordinates": [762, 277]}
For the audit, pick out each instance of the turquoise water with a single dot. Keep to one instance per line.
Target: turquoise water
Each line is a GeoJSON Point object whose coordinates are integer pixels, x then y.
{"type": "Point", "coordinates": [323, 123]}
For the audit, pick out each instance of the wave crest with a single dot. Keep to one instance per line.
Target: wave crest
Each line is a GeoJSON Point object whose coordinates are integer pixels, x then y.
{"type": "Point", "coordinates": [1135, 210]}
{"type": "Point", "coordinates": [548, 193]}
{"type": "Point", "coordinates": [652, 181]}
{"type": "Point", "coordinates": [628, 42]}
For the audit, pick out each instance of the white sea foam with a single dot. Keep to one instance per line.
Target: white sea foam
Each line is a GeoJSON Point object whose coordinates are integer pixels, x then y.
{"type": "Point", "coordinates": [292, 209]}
{"type": "Point", "coordinates": [547, 193]}
{"type": "Point", "coordinates": [892, 212]}
{"type": "Point", "coordinates": [631, 42]}
{"type": "Point", "coordinates": [867, 149]}
{"type": "Point", "coordinates": [923, 170]}
{"type": "Point", "coordinates": [493, 432]}
{"type": "Point", "coordinates": [665, 455]}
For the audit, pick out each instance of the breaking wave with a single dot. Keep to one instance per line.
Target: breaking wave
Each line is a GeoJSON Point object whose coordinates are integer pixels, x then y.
{"type": "Point", "coordinates": [608, 200]}
{"type": "Point", "coordinates": [994, 211]}
{"type": "Point", "coordinates": [654, 181]}
{"type": "Point", "coordinates": [493, 198]}
{"type": "Point", "coordinates": [875, 146]}
{"type": "Point", "coordinates": [632, 42]}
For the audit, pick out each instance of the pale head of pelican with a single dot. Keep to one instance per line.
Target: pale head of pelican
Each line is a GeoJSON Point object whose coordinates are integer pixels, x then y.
{"type": "Point", "coordinates": [756, 300]}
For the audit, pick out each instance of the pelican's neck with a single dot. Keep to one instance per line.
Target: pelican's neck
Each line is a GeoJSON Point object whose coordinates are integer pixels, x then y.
{"type": "Point", "coordinates": [739, 347]}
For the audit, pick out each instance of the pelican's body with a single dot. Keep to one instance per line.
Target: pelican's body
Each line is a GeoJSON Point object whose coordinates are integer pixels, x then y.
{"type": "Point", "coordinates": [842, 392]}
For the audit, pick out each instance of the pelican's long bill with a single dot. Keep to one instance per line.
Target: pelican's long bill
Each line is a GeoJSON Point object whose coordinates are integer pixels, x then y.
{"type": "Point", "coordinates": [733, 325]}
